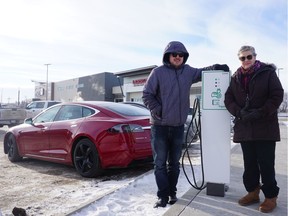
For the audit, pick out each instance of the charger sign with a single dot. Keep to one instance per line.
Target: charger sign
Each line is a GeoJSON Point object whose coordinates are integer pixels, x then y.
{"type": "Point", "coordinates": [214, 86]}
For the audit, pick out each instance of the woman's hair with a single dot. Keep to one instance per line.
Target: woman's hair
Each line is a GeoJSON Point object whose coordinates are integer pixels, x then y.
{"type": "Point", "coordinates": [247, 48]}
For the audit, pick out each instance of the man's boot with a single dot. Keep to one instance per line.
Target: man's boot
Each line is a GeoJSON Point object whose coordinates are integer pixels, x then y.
{"type": "Point", "coordinates": [268, 205]}
{"type": "Point", "coordinates": [250, 198]}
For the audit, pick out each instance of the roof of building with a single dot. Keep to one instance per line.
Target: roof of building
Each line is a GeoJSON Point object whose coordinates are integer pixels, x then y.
{"type": "Point", "coordinates": [137, 71]}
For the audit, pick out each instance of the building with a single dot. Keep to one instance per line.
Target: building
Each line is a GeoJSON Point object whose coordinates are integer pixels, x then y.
{"type": "Point", "coordinates": [133, 83]}
{"type": "Point", "coordinates": [97, 87]}
{"type": "Point", "coordinates": [119, 86]}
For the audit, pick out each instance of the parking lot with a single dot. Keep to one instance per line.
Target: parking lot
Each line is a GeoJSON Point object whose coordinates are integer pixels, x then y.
{"type": "Point", "coordinates": [44, 188]}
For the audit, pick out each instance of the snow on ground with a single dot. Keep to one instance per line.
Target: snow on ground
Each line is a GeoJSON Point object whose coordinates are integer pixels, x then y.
{"type": "Point", "coordinates": [138, 197]}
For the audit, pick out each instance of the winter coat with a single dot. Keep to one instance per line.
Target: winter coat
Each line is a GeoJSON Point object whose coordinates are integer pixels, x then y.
{"type": "Point", "coordinates": [167, 90]}
{"type": "Point", "coordinates": [265, 94]}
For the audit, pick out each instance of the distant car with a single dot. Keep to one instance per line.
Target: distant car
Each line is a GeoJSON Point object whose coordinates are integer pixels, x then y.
{"type": "Point", "coordinates": [91, 136]}
{"type": "Point", "coordinates": [35, 107]}
{"type": "Point", "coordinates": [190, 132]}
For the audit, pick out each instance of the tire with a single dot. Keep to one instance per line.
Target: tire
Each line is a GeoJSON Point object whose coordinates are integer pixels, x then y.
{"type": "Point", "coordinates": [86, 159]}
{"type": "Point", "coordinates": [13, 154]}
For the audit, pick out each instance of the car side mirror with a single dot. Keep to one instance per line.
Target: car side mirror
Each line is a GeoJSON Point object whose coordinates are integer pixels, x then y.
{"type": "Point", "coordinates": [28, 121]}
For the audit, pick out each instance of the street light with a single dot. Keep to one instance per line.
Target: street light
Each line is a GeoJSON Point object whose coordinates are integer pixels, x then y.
{"type": "Point", "coordinates": [278, 72]}
{"type": "Point", "coordinates": [47, 82]}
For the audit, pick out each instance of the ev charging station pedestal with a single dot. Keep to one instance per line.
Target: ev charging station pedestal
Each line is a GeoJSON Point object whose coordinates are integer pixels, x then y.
{"type": "Point", "coordinates": [215, 131]}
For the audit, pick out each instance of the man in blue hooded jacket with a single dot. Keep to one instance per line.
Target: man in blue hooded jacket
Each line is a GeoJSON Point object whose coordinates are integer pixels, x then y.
{"type": "Point", "coordinates": [166, 94]}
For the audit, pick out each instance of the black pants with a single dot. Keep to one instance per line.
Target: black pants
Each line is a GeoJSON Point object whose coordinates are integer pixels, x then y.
{"type": "Point", "coordinates": [259, 161]}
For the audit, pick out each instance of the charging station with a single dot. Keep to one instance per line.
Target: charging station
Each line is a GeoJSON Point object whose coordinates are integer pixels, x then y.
{"type": "Point", "coordinates": [215, 131]}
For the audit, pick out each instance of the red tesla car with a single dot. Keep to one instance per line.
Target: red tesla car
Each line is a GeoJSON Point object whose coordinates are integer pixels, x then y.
{"type": "Point", "coordinates": [91, 136]}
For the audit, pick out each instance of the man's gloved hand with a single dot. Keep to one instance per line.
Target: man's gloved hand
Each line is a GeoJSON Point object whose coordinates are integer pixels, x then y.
{"type": "Point", "coordinates": [156, 113]}
{"type": "Point", "coordinates": [223, 67]}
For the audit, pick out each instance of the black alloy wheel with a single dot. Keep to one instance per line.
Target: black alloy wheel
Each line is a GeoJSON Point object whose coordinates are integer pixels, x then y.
{"type": "Point", "coordinates": [86, 159]}
{"type": "Point", "coordinates": [13, 154]}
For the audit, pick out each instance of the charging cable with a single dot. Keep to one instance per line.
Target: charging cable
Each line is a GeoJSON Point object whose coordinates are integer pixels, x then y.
{"type": "Point", "coordinates": [195, 123]}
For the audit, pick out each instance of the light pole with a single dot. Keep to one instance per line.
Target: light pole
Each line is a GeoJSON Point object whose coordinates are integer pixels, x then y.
{"type": "Point", "coordinates": [278, 72]}
{"type": "Point", "coordinates": [46, 93]}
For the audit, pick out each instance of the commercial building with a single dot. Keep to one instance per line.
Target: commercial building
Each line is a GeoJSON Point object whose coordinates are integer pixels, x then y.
{"type": "Point", "coordinates": [119, 86]}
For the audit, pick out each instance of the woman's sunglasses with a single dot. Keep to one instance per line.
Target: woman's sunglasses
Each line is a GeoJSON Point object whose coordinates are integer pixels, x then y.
{"type": "Point", "coordinates": [179, 54]}
{"type": "Point", "coordinates": [242, 58]}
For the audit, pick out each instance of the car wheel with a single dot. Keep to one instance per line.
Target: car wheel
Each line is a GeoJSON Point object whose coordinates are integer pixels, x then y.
{"type": "Point", "coordinates": [86, 159]}
{"type": "Point", "coordinates": [13, 154]}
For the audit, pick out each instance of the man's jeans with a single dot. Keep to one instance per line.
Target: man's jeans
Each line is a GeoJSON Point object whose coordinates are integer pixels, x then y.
{"type": "Point", "coordinates": [166, 144]}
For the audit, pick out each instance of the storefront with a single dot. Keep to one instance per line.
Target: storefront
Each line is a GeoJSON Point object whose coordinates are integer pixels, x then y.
{"type": "Point", "coordinates": [133, 83]}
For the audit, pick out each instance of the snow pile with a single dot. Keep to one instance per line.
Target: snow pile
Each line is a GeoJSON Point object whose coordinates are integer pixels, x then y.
{"type": "Point", "coordinates": [137, 198]}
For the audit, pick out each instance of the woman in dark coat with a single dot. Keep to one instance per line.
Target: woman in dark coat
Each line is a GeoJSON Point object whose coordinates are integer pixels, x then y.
{"type": "Point", "coordinates": [253, 97]}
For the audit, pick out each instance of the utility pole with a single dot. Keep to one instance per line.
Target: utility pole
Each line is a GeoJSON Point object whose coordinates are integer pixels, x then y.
{"type": "Point", "coordinates": [278, 72]}
{"type": "Point", "coordinates": [46, 93]}
{"type": "Point", "coordinates": [18, 97]}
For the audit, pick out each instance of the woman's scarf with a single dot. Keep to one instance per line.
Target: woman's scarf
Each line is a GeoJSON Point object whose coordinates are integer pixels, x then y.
{"type": "Point", "coordinates": [245, 76]}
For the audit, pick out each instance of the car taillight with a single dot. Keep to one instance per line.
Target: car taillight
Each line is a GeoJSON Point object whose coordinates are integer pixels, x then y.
{"type": "Point", "coordinates": [126, 128]}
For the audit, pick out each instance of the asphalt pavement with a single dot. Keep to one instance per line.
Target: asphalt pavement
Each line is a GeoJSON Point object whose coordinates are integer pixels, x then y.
{"type": "Point", "coordinates": [198, 203]}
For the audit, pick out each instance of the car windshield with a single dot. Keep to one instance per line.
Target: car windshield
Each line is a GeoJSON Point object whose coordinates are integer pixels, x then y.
{"type": "Point", "coordinates": [126, 110]}
{"type": "Point", "coordinates": [34, 105]}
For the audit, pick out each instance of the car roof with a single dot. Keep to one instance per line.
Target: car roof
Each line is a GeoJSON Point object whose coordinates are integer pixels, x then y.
{"type": "Point", "coordinates": [107, 105]}
{"type": "Point", "coordinates": [99, 103]}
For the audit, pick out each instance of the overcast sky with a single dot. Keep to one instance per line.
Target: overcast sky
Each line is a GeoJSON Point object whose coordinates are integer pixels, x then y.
{"type": "Point", "coordinates": [84, 37]}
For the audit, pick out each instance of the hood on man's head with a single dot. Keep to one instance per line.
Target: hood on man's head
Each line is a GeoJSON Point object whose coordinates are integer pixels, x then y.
{"type": "Point", "coordinates": [172, 47]}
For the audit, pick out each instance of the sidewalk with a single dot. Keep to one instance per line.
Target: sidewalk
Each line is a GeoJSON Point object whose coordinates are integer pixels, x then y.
{"type": "Point", "coordinates": [197, 203]}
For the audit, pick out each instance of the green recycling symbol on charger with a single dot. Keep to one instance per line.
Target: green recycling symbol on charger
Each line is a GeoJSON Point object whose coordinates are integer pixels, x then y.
{"type": "Point", "coordinates": [216, 94]}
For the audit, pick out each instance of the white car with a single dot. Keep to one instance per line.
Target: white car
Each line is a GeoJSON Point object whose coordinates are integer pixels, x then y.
{"type": "Point", "coordinates": [35, 107]}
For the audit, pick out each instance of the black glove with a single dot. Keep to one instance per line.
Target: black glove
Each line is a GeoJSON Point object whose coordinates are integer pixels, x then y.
{"type": "Point", "coordinates": [223, 67]}
{"type": "Point", "coordinates": [243, 114]}
{"type": "Point", "coordinates": [251, 115]}
{"type": "Point", "coordinates": [156, 113]}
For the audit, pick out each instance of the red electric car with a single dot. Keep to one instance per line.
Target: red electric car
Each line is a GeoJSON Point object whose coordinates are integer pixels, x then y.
{"type": "Point", "coordinates": [90, 135]}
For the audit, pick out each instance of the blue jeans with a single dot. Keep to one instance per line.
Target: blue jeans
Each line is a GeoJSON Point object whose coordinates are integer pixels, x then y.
{"type": "Point", "coordinates": [166, 144]}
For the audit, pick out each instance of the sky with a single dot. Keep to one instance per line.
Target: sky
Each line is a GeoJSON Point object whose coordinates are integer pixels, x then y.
{"type": "Point", "coordinates": [80, 38]}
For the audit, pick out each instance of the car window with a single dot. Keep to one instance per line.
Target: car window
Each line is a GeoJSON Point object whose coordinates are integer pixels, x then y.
{"type": "Point", "coordinates": [87, 112]}
{"type": "Point", "coordinates": [69, 112]}
{"type": "Point", "coordinates": [40, 105]}
{"type": "Point", "coordinates": [47, 116]}
{"type": "Point", "coordinates": [34, 105]}
{"type": "Point", "coordinates": [126, 110]}
{"type": "Point", "coordinates": [52, 103]}
{"type": "Point", "coordinates": [31, 106]}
